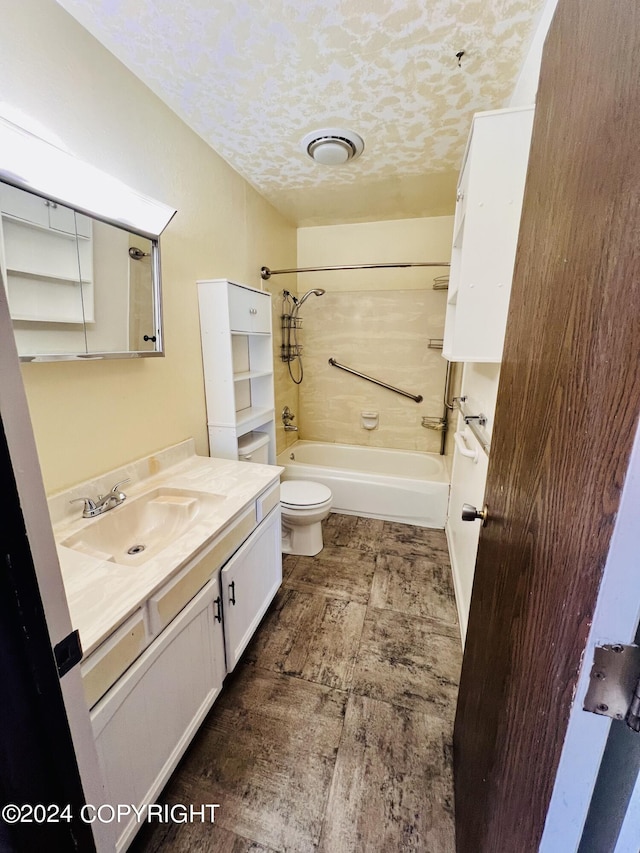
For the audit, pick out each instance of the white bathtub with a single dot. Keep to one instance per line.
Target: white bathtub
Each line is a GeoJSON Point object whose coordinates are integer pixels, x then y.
{"type": "Point", "coordinates": [396, 485]}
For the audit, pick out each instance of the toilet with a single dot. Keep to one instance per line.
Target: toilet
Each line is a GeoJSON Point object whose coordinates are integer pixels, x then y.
{"type": "Point", "coordinates": [304, 506]}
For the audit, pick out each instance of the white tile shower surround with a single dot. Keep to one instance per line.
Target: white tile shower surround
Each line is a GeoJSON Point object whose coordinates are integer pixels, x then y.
{"type": "Point", "coordinates": [383, 334]}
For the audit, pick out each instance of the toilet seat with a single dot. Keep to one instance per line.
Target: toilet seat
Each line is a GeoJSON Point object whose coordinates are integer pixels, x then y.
{"type": "Point", "coordinates": [303, 494]}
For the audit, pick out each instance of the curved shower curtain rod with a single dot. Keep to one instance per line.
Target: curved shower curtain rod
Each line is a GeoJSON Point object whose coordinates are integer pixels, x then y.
{"type": "Point", "coordinates": [266, 273]}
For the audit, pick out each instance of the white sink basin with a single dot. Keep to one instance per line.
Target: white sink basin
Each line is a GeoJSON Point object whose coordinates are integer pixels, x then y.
{"type": "Point", "coordinates": [139, 529]}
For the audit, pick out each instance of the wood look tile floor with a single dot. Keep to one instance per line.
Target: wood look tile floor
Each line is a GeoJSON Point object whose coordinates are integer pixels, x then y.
{"type": "Point", "coordinates": [334, 732]}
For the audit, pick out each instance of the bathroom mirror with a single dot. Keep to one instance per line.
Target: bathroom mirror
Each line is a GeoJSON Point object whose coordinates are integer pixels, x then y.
{"type": "Point", "coordinates": [79, 255]}
{"type": "Point", "coordinates": [75, 285]}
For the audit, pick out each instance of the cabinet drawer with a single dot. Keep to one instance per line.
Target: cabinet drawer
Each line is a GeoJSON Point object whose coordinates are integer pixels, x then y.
{"type": "Point", "coordinates": [170, 600]}
{"type": "Point", "coordinates": [113, 657]}
{"type": "Point", "coordinates": [267, 501]}
{"type": "Point", "coordinates": [249, 311]}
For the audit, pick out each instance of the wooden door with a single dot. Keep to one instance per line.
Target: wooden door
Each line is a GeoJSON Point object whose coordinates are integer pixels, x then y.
{"type": "Point", "coordinates": [566, 415]}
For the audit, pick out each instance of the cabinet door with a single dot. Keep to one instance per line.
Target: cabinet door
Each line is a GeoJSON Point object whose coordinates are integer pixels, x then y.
{"type": "Point", "coordinates": [144, 723]}
{"type": "Point", "coordinates": [260, 313]}
{"type": "Point", "coordinates": [24, 205]}
{"type": "Point", "coordinates": [65, 219]}
{"type": "Point", "coordinates": [39, 211]}
{"type": "Point", "coordinates": [249, 311]}
{"type": "Point", "coordinates": [249, 582]}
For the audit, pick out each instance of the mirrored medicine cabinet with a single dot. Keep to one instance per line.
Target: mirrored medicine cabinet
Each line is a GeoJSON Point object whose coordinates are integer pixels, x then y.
{"type": "Point", "coordinates": [79, 256]}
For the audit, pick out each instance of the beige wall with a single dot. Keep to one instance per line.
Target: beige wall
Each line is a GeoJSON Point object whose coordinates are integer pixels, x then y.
{"type": "Point", "coordinates": [377, 322]}
{"type": "Point", "coordinates": [427, 239]}
{"type": "Point", "coordinates": [93, 416]}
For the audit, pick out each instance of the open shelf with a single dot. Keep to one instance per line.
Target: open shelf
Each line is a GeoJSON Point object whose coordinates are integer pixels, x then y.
{"type": "Point", "coordinates": [254, 416]}
{"type": "Point", "coordinates": [34, 275]}
{"type": "Point", "coordinates": [251, 374]}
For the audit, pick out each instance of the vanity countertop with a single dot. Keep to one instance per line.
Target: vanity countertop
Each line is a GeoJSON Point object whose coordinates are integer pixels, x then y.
{"type": "Point", "coordinates": [102, 594]}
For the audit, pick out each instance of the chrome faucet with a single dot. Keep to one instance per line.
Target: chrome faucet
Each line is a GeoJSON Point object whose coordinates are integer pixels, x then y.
{"type": "Point", "coordinates": [287, 417]}
{"type": "Point", "coordinates": [102, 503]}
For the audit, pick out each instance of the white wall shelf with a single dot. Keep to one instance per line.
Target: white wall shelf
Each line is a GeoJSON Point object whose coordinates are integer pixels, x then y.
{"type": "Point", "coordinates": [61, 279]}
{"type": "Point", "coordinates": [235, 329]}
{"type": "Point", "coordinates": [251, 418]}
{"type": "Point", "coordinates": [487, 220]}
{"type": "Point", "coordinates": [251, 374]}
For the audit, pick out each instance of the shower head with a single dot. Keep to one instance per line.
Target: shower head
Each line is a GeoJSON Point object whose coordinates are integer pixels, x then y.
{"type": "Point", "coordinates": [318, 291]}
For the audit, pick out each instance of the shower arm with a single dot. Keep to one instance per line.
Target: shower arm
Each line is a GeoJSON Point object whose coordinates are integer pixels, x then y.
{"type": "Point", "coordinates": [266, 272]}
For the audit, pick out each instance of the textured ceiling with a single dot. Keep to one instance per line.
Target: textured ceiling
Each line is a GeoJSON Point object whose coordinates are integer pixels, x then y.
{"type": "Point", "coordinates": [252, 77]}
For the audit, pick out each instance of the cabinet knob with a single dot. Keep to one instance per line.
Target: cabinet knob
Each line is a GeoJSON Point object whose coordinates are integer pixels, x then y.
{"type": "Point", "coordinates": [253, 310]}
{"type": "Point", "coordinates": [232, 592]}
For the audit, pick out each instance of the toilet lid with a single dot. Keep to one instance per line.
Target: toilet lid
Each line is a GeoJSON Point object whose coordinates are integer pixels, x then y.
{"type": "Point", "coordinates": [303, 493]}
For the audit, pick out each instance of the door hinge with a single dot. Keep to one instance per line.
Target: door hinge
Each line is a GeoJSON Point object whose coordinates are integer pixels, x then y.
{"type": "Point", "coordinates": [68, 652]}
{"type": "Point", "coordinates": [614, 688]}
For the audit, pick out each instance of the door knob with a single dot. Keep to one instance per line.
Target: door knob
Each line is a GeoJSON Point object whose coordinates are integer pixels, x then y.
{"type": "Point", "coordinates": [470, 513]}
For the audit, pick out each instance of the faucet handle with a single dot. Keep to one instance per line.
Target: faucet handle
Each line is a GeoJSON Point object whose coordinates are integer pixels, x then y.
{"type": "Point", "coordinates": [116, 489]}
{"type": "Point", "coordinates": [89, 503]}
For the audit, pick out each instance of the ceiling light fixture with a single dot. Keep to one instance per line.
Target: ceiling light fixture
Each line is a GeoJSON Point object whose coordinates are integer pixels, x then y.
{"type": "Point", "coordinates": [332, 146]}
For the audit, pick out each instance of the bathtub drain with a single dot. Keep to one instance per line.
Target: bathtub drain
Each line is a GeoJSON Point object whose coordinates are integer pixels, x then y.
{"type": "Point", "coordinates": [136, 549]}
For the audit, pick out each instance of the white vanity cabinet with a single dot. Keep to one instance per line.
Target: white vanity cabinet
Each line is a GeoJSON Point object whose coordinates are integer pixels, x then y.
{"type": "Point", "coordinates": [237, 356]}
{"type": "Point", "coordinates": [146, 721]}
{"type": "Point", "coordinates": [485, 234]}
{"type": "Point", "coordinates": [163, 668]}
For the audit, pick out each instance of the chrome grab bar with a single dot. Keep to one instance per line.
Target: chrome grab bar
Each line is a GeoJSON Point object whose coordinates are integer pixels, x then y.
{"type": "Point", "coordinates": [417, 398]}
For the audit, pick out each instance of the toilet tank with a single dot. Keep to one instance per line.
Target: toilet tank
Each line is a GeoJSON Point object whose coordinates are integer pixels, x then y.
{"type": "Point", "coordinates": [254, 447]}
